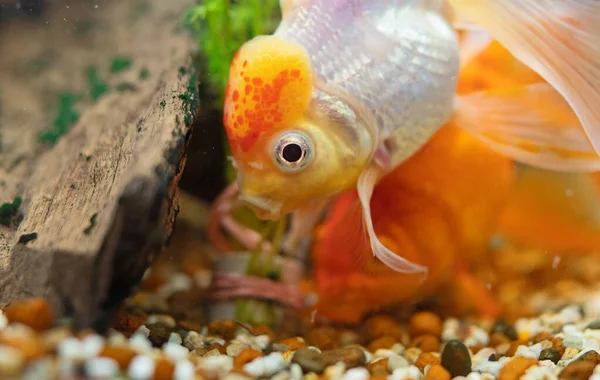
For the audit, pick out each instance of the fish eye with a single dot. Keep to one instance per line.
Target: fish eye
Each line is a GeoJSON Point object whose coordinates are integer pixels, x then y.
{"type": "Point", "coordinates": [293, 151]}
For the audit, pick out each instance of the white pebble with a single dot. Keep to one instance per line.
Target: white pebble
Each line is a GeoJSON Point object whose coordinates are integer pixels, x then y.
{"type": "Point", "coordinates": [489, 367]}
{"type": "Point", "coordinates": [92, 345]}
{"type": "Point", "coordinates": [335, 372]}
{"type": "Point", "coordinates": [234, 349]}
{"type": "Point", "coordinates": [474, 376]}
{"type": "Point", "coordinates": [591, 344]}
{"type": "Point", "coordinates": [184, 370]}
{"type": "Point", "coordinates": [101, 367]}
{"type": "Point", "coordinates": [3, 320]}
{"type": "Point", "coordinates": [175, 351]}
{"type": "Point", "coordinates": [141, 368]}
{"type": "Point", "coordinates": [143, 330]}
{"type": "Point", "coordinates": [178, 282]}
{"type": "Point", "coordinates": [411, 372]}
{"type": "Point", "coordinates": [526, 352]}
{"type": "Point", "coordinates": [262, 341]}
{"type": "Point", "coordinates": [70, 349]}
{"type": "Point", "coordinates": [382, 353]}
{"type": "Point", "coordinates": [483, 355]}
{"type": "Point", "coordinates": [398, 348]}
{"type": "Point", "coordinates": [595, 377]}
{"type": "Point", "coordinates": [296, 372]}
{"type": "Point", "coordinates": [139, 343]}
{"type": "Point", "coordinates": [11, 360]}
{"type": "Point", "coordinates": [487, 376]}
{"type": "Point", "coordinates": [574, 341]}
{"type": "Point", "coordinates": [193, 340]}
{"type": "Point", "coordinates": [597, 369]}
{"type": "Point", "coordinates": [397, 361]}
{"type": "Point", "coordinates": [266, 366]}
{"type": "Point", "coordinates": [477, 337]}
{"type": "Point", "coordinates": [115, 338]}
{"type": "Point", "coordinates": [164, 320]}
{"type": "Point", "coordinates": [450, 329]}
{"type": "Point", "coordinates": [539, 373]}
{"type": "Point", "coordinates": [570, 353]}
{"type": "Point", "coordinates": [175, 338]}
{"type": "Point", "coordinates": [359, 373]}
{"type": "Point", "coordinates": [219, 364]}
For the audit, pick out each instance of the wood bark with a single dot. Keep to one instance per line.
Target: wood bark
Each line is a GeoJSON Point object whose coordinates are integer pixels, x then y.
{"type": "Point", "coordinates": [101, 203]}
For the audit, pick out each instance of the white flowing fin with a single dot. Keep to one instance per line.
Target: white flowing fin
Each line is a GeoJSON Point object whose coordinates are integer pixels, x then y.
{"type": "Point", "coordinates": [532, 124]}
{"type": "Point", "coordinates": [365, 187]}
{"type": "Point", "coordinates": [473, 42]}
{"type": "Point", "coordinates": [559, 39]}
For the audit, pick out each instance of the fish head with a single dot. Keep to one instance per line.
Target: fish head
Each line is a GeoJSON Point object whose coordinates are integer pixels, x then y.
{"type": "Point", "coordinates": [290, 144]}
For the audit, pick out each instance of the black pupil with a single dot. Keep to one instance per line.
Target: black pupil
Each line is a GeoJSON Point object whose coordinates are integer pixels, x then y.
{"type": "Point", "coordinates": [292, 153]}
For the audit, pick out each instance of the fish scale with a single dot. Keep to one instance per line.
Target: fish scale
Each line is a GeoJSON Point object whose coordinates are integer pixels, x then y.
{"type": "Point", "coordinates": [356, 46]}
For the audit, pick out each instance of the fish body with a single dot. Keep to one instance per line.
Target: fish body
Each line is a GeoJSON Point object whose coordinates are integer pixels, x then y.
{"type": "Point", "coordinates": [345, 91]}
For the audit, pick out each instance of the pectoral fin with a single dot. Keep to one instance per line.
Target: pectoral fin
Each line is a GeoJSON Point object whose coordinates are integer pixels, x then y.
{"type": "Point", "coordinates": [365, 187]}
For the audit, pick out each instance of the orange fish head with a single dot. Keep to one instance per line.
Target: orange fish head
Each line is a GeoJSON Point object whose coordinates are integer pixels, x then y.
{"type": "Point", "coordinates": [288, 147]}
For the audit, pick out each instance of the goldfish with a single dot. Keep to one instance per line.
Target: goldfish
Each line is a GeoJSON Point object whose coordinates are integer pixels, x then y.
{"type": "Point", "coordinates": [345, 91]}
{"type": "Point", "coordinates": [428, 209]}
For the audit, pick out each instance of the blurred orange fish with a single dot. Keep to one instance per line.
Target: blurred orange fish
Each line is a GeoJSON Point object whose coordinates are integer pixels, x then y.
{"type": "Point", "coordinates": [439, 209]}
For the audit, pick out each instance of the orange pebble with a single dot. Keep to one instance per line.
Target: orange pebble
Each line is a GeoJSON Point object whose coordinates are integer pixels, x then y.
{"type": "Point", "coordinates": [246, 356]}
{"type": "Point", "coordinates": [164, 369]}
{"type": "Point", "coordinates": [437, 372]}
{"type": "Point", "coordinates": [383, 342]}
{"type": "Point", "coordinates": [516, 368]}
{"type": "Point", "coordinates": [427, 343]}
{"type": "Point", "coordinates": [293, 343]}
{"type": "Point", "coordinates": [121, 354]}
{"type": "Point", "coordinates": [426, 359]}
{"type": "Point", "coordinates": [34, 312]}
{"type": "Point", "coordinates": [263, 330]}
{"type": "Point", "coordinates": [30, 346]}
{"type": "Point", "coordinates": [379, 367]}
{"type": "Point", "coordinates": [425, 322]}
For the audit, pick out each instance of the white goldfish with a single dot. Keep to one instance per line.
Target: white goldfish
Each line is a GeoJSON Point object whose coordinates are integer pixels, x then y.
{"type": "Point", "coordinates": [344, 91]}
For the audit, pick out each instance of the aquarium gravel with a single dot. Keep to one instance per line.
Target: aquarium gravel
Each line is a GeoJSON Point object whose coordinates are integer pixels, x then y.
{"type": "Point", "coordinates": [560, 345]}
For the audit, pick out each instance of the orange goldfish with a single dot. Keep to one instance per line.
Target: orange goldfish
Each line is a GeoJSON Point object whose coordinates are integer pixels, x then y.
{"type": "Point", "coordinates": [345, 91]}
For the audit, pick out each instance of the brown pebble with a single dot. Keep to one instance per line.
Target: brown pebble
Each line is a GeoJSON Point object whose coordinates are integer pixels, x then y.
{"type": "Point", "coordinates": [497, 339]}
{"type": "Point", "coordinates": [541, 337]}
{"type": "Point", "coordinates": [206, 349]}
{"type": "Point", "coordinates": [385, 342]}
{"type": "Point", "coordinates": [164, 369]}
{"type": "Point", "coordinates": [33, 312]}
{"type": "Point", "coordinates": [325, 338]}
{"type": "Point", "coordinates": [456, 358]}
{"type": "Point", "coordinates": [437, 372]}
{"type": "Point", "coordinates": [427, 343]}
{"type": "Point", "coordinates": [121, 354]}
{"type": "Point", "coordinates": [30, 346]}
{"type": "Point", "coordinates": [516, 368]}
{"type": "Point", "coordinates": [246, 356]}
{"type": "Point", "coordinates": [425, 322]}
{"type": "Point", "coordinates": [351, 356]}
{"type": "Point", "coordinates": [127, 323]}
{"type": "Point", "coordinates": [379, 367]}
{"type": "Point", "coordinates": [224, 329]}
{"type": "Point", "coordinates": [293, 343]}
{"type": "Point", "coordinates": [505, 328]}
{"type": "Point", "coordinates": [426, 359]}
{"type": "Point", "coordinates": [577, 370]}
{"type": "Point", "coordinates": [378, 326]}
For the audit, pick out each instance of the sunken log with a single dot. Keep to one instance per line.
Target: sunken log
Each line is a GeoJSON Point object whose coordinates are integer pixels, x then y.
{"type": "Point", "coordinates": [96, 111]}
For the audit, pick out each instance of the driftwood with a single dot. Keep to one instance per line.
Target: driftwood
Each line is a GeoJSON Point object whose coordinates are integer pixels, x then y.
{"type": "Point", "coordinates": [101, 202]}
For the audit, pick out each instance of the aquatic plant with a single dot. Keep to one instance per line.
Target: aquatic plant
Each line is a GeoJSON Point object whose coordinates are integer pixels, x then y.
{"type": "Point", "coordinates": [222, 26]}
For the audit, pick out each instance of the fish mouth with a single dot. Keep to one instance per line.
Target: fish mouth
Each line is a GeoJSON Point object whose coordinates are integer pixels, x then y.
{"type": "Point", "coordinates": [263, 207]}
